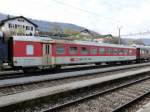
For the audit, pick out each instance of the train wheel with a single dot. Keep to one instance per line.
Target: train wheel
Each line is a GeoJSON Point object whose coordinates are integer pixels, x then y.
{"type": "Point", "coordinates": [29, 70]}
{"type": "Point", "coordinates": [111, 63]}
{"type": "Point", "coordinates": [98, 64]}
{"type": "Point", "coordinates": [25, 70]}
{"type": "Point", "coordinates": [57, 67]}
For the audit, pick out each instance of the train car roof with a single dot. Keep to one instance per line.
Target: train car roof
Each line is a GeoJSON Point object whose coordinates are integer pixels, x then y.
{"type": "Point", "coordinates": [50, 40]}
{"type": "Point", "coordinates": [142, 46]}
{"type": "Point", "coordinates": [32, 38]}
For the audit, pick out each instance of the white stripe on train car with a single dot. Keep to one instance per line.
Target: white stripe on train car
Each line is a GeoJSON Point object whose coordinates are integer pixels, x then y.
{"type": "Point", "coordinates": [37, 61]}
{"type": "Point", "coordinates": [27, 61]}
{"type": "Point", "coordinates": [90, 59]}
{"type": "Point", "coordinates": [33, 39]}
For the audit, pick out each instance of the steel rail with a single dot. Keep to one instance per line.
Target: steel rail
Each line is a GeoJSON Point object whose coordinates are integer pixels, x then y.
{"type": "Point", "coordinates": [58, 107]}
{"type": "Point", "coordinates": [59, 76]}
{"type": "Point", "coordinates": [20, 74]}
{"type": "Point", "coordinates": [120, 108]}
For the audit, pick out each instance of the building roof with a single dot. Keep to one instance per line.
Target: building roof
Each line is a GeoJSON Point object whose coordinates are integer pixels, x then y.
{"type": "Point", "coordinates": [87, 31]}
{"type": "Point", "coordinates": [12, 18]}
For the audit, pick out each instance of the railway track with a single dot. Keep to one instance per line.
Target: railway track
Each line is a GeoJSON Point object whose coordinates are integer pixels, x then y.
{"type": "Point", "coordinates": [12, 86]}
{"type": "Point", "coordinates": [116, 99]}
{"type": "Point", "coordinates": [40, 77]}
{"type": "Point", "coordinates": [19, 73]}
{"type": "Point", "coordinates": [80, 95]}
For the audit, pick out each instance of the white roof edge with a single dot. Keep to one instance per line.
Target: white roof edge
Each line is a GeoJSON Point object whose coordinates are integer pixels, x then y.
{"type": "Point", "coordinates": [31, 38]}
{"type": "Point", "coordinates": [46, 39]}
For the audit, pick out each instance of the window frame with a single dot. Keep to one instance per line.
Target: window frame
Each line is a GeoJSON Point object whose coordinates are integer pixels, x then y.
{"type": "Point", "coordinates": [94, 48]}
{"type": "Point", "coordinates": [130, 52]}
{"type": "Point", "coordinates": [29, 49]}
{"type": "Point", "coordinates": [115, 51]}
{"type": "Point", "coordinates": [31, 28]}
{"type": "Point", "coordinates": [87, 48]}
{"type": "Point", "coordinates": [109, 51]}
{"type": "Point", "coordinates": [100, 51]}
{"type": "Point", "coordinates": [64, 51]}
{"type": "Point", "coordinates": [75, 52]}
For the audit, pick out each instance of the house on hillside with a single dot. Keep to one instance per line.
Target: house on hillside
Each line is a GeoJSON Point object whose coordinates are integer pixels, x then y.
{"type": "Point", "coordinates": [82, 35]}
{"type": "Point", "coordinates": [103, 38]}
{"type": "Point", "coordinates": [18, 25]}
{"type": "Point", "coordinates": [86, 32]}
{"type": "Point", "coordinates": [90, 36]}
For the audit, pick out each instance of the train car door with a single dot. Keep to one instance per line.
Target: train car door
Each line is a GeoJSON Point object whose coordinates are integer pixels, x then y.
{"type": "Point", "coordinates": [46, 54]}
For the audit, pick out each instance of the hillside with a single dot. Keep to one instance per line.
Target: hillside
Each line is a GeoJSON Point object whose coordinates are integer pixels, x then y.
{"type": "Point", "coordinates": [47, 26]}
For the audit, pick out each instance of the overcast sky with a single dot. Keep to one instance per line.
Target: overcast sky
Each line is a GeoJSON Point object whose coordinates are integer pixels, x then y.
{"type": "Point", "coordinates": [103, 16]}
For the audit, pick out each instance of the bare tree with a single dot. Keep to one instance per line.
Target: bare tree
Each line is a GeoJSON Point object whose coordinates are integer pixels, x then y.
{"type": "Point", "coordinates": [57, 29]}
{"type": "Point", "coordinates": [137, 42]}
{"type": "Point", "coordinates": [113, 40]}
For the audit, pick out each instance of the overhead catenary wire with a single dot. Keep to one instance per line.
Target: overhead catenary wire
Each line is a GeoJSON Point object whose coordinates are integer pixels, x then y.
{"type": "Point", "coordinates": [99, 17]}
{"type": "Point", "coordinates": [136, 34]}
{"type": "Point", "coordinates": [86, 11]}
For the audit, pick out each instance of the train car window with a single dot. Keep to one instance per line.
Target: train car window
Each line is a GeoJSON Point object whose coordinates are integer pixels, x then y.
{"type": "Point", "coordinates": [130, 52]}
{"type": "Point", "coordinates": [73, 50]}
{"type": "Point", "coordinates": [29, 50]}
{"type": "Point", "coordinates": [126, 52]}
{"type": "Point", "coordinates": [146, 51]}
{"type": "Point", "coordinates": [121, 51]}
{"type": "Point", "coordinates": [94, 50]}
{"type": "Point", "coordinates": [84, 50]}
{"type": "Point", "coordinates": [60, 49]}
{"type": "Point", "coordinates": [115, 51]}
{"type": "Point", "coordinates": [109, 50]}
{"type": "Point", "coordinates": [141, 51]}
{"type": "Point", "coordinates": [102, 50]}
{"type": "Point", "coordinates": [134, 52]}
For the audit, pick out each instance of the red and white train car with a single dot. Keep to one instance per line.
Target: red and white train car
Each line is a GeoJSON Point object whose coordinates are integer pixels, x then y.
{"type": "Point", "coordinates": [40, 52]}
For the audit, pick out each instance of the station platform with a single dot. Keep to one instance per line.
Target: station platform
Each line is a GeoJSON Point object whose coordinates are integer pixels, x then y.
{"type": "Point", "coordinates": [145, 108]}
{"type": "Point", "coordinates": [38, 93]}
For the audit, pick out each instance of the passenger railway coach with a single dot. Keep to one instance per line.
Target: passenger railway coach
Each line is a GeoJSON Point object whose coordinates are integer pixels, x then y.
{"type": "Point", "coordinates": [40, 52]}
{"type": "Point", "coordinates": [29, 52]}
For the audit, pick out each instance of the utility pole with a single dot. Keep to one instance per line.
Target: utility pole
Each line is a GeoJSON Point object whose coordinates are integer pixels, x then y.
{"type": "Point", "coordinates": [119, 40]}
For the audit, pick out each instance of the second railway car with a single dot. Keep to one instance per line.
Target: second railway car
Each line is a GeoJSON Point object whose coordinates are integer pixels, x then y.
{"type": "Point", "coordinates": [43, 52]}
{"type": "Point", "coordinates": [143, 53]}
